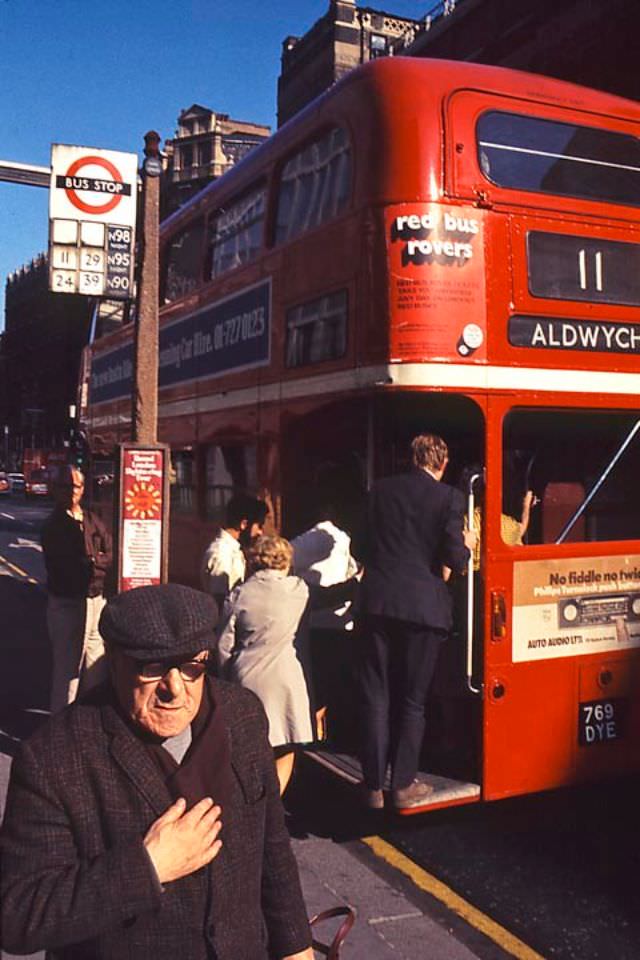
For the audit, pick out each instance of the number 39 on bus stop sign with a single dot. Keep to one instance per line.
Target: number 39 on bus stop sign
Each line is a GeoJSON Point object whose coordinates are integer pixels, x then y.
{"type": "Point", "coordinates": [92, 212]}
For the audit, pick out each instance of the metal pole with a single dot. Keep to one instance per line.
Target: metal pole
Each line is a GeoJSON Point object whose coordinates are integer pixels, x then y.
{"type": "Point", "coordinates": [605, 473]}
{"type": "Point", "coordinates": [144, 414]}
{"type": "Point", "coordinates": [470, 587]}
{"type": "Point", "coordinates": [25, 173]}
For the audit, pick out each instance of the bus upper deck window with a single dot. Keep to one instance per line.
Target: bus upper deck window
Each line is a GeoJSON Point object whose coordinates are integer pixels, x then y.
{"type": "Point", "coordinates": [314, 186]}
{"type": "Point", "coordinates": [182, 264]}
{"type": "Point", "coordinates": [530, 153]}
{"type": "Point", "coordinates": [235, 233]}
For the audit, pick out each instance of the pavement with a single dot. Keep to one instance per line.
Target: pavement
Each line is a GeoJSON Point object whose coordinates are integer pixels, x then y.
{"type": "Point", "coordinates": [390, 922]}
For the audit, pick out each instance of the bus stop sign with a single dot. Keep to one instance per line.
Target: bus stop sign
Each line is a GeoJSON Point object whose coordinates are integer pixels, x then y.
{"type": "Point", "coordinates": [92, 213]}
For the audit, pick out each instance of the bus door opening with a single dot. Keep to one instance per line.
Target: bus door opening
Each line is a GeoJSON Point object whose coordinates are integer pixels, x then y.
{"type": "Point", "coordinates": [382, 428]}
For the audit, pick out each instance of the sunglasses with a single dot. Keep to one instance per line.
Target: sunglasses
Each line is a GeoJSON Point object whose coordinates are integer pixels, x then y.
{"type": "Point", "coordinates": [189, 670]}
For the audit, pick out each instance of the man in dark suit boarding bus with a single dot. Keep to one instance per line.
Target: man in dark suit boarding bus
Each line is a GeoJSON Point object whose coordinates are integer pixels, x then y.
{"type": "Point", "coordinates": [414, 527]}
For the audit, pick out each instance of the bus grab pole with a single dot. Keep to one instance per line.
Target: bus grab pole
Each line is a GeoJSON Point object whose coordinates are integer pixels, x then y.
{"type": "Point", "coordinates": [605, 473]}
{"type": "Point", "coordinates": [470, 588]}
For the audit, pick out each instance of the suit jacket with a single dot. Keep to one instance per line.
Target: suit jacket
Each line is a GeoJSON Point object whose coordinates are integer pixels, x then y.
{"type": "Point", "coordinates": [414, 527]}
{"type": "Point", "coordinates": [75, 877]}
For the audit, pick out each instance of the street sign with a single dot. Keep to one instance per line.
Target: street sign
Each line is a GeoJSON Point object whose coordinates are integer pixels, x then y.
{"type": "Point", "coordinates": [92, 215]}
{"type": "Point", "coordinates": [143, 515]}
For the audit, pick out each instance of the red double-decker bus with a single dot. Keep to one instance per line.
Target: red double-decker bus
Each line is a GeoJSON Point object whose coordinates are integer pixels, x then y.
{"type": "Point", "coordinates": [443, 247]}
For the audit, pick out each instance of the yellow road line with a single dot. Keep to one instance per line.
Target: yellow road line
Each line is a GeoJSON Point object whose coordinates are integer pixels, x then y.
{"type": "Point", "coordinates": [507, 941]}
{"type": "Point", "coordinates": [12, 566]}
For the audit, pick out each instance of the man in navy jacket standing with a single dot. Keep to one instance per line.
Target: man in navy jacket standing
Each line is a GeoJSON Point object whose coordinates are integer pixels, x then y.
{"type": "Point", "coordinates": [415, 527]}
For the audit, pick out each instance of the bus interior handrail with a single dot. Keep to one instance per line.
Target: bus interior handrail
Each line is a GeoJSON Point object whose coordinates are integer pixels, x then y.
{"type": "Point", "coordinates": [603, 476]}
{"type": "Point", "coordinates": [473, 479]}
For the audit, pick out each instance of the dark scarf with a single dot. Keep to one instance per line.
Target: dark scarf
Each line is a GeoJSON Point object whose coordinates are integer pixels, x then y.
{"type": "Point", "coordinates": [205, 770]}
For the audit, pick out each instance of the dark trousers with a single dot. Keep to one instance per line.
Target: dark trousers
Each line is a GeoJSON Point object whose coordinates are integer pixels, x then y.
{"type": "Point", "coordinates": [396, 664]}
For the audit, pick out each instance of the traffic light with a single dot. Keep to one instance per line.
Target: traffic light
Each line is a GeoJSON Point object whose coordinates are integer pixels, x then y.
{"type": "Point", "coordinates": [80, 452]}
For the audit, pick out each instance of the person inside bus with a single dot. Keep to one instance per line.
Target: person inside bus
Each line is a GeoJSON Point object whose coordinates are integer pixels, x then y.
{"type": "Point", "coordinates": [414, 527]}
{"type": "Point", "coordinates": [223, 563]}
{"type": "Point", "coordinates": [516, 515]}
{"type": "Point", "coordinates": [263, 644]}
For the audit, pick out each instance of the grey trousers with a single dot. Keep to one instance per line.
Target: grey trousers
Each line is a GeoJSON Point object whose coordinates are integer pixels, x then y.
{"type": "Point", "coordinates": [76, 646]}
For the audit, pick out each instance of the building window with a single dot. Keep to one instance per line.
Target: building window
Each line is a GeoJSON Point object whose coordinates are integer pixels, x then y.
{"type": "Point", "coordinates": [235, 233]}
{"type": "Point", "coordinates": [229, 470]}
{"type": "Point", "coordinates": [183, 484]}
{"type": "Point", "coordinates": [529, 153]}
{"type": "Point", "coordinates": [314, 186]}
{"type": "Point", "coordinates": [317, 330]}
{"type": "Point", "coordinates": [182, 267]}
{"type": "Point", "coordinates": [205, 153]}
{"type": "Point", "coordinates": [377, 46]}
{"type": "Point", "coordinates": [186, 156]}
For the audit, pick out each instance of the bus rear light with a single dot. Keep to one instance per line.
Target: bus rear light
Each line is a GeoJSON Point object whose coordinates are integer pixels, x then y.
{"type": "Point", "coordinates": [498, 616]}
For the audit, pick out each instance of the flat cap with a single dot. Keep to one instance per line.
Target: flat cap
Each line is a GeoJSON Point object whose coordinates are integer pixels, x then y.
{"type": "Point", "coordinates": [155, 623]}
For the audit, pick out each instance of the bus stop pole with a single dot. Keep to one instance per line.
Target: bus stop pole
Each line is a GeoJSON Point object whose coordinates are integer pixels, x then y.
{"type": "Point", "coordinates": [144, 413]}
{"type": "Point", "coordinates": [142, 544]}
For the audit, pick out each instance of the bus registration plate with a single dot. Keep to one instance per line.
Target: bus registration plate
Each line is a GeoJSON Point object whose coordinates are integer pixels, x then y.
{"type": "Point", "coordinates": [601, 721]}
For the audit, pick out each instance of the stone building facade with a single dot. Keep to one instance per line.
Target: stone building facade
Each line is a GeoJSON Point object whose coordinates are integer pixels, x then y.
{"type": "Point", "coordinates": [205, 145]}
{"type": "Point", "coordinates": [346, 36]}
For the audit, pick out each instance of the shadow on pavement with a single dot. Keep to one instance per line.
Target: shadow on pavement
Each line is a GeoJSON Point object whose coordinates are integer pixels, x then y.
{"type": "Point", "coordinates": [25, 661]}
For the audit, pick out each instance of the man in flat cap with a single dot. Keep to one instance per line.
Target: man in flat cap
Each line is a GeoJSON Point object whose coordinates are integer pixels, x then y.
{"type": "Point", "coordinates": [145, 820]}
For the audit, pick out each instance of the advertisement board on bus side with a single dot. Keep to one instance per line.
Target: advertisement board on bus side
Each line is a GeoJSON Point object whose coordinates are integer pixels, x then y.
{"type": "Point", "coordinates": [576, 607]}
{"type": "Point", "coordinates": [231, 334]}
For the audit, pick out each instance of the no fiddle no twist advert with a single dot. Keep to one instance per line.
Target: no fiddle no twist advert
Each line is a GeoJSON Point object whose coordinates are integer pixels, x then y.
{"type": "Point", "coordinates": [567, 608]}
{"type": "Point", "coordinates": [436, 265]}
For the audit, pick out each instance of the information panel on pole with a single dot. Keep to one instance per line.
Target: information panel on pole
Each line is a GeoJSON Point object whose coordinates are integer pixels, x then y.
{"type": "Point", "coordinates": [143, 511]}
{"type": "Point", "coordinates": [92, 216]}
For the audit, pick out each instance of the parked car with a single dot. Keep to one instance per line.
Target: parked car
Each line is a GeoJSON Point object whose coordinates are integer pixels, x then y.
{"type": "Point", "coordinates": [16, 482]}
{"type": "Point", "coordinates": [38, 483]}
{"type": "Point", "coordinates": [5, 486]}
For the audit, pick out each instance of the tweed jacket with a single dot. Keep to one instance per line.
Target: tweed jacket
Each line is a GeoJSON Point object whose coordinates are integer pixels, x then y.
{"type": "Point", "coordinates": [414, 528]}
{"type": "Point", "coordinates": [75, 878]}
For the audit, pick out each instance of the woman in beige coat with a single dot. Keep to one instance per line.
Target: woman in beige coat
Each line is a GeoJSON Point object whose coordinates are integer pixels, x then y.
{"type": "Point", "coordinates": [263, 644]}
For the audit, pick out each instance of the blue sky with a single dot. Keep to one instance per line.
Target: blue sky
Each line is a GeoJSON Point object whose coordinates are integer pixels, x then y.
{"type": "Point", "coordinates": [103, 74]}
